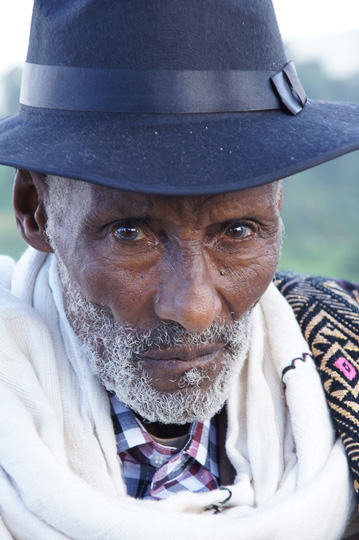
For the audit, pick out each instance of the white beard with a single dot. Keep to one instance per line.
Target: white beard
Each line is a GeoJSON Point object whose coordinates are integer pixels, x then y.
{"type": "Point", "coordinates": [113, 351]}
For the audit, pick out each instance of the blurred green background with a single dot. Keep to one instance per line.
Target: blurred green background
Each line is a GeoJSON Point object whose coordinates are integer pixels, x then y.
{"type": "Point", "coordinates": [321, 206]}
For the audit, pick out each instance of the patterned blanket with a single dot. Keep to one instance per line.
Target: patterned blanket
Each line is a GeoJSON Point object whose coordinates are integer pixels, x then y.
{"type": "Point", "coordinates": [327, 311]}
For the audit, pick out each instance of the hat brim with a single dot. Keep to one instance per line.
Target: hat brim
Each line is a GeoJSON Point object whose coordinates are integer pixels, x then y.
{"type": "Point", "coordinates": [188, 154]}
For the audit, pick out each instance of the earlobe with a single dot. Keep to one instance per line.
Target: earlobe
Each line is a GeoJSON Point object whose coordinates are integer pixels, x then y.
{"type": "Point", "coordinates": [28, 200]}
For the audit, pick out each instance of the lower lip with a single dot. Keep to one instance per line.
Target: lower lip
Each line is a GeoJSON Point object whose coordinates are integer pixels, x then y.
{"type": "Point", "coordinates": [165, 373]}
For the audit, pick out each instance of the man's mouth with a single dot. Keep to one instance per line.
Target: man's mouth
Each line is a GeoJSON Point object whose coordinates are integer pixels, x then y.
{"type": "Point", "coordinates": [181, 354]}
{"type": "Point", "coordinates": [165, 368]}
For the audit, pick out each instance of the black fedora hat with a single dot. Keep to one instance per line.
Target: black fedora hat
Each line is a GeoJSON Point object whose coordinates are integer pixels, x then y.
{"type": "Point", "coordinates": [167, 96]}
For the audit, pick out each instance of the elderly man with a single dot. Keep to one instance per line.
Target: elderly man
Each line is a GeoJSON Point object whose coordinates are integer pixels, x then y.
{"type": "Point", "coordinates": [154, 381]}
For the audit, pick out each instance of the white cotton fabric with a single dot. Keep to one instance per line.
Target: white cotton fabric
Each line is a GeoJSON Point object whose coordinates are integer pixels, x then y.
{"type": "Point", "coordinates": [60, 477]}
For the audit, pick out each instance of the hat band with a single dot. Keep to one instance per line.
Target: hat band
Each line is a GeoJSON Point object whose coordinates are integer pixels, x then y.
{"type": "Point", "coordinates": [147, 91]}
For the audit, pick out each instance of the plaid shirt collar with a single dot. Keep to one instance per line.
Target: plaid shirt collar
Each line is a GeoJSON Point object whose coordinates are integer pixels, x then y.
{"type": "Point", "coordinates": [152, 470]}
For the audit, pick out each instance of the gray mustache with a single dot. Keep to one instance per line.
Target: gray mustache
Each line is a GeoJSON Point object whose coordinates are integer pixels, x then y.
{"type": "Point", "coordinates": [170, 335]}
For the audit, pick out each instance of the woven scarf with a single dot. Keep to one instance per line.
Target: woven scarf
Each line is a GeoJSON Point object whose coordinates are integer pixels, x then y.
{"type": "Point", "coordinates": [327, 311]}
{"type": "Point", "coordinates": [60, 477]}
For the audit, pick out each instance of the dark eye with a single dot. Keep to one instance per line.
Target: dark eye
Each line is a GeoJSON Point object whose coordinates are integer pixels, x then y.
{"type": "Point", "coordinates": [128, 231]}
{"type": "Point", "coordinates": [239, 230]}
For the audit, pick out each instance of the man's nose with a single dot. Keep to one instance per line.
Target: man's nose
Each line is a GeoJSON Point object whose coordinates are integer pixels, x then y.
{"type": "Point", "coordinates": [188, 295]}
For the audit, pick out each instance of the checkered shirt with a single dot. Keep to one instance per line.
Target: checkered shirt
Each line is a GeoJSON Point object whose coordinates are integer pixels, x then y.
{"type": "Point", "coordinates": [153, 471]}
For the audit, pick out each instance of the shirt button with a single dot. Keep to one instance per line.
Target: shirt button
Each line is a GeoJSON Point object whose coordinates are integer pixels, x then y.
{"type": "Point", "coordinates": [158, 461]}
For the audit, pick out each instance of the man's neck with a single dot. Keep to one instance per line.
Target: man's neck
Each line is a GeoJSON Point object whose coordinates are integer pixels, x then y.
{"type": "Point", "coordinates": [164, 431]}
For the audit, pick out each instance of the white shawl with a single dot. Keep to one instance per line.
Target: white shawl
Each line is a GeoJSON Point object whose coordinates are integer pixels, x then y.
{"type": "Point", "coordinates": [60, 477]}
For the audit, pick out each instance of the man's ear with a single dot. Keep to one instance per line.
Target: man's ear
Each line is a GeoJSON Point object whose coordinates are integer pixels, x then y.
{"type": "Point", "coordinates": [28, 199]}
{"type": "Point", "coordinates": [280, 197]}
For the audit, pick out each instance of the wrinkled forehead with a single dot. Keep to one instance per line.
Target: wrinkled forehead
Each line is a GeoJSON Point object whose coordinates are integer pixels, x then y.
{"type": "Point", "coordinates": [86, 197]}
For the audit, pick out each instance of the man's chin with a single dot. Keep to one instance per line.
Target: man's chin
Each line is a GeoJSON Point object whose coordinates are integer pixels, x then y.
{"type": "Point", "coordinates": [178, 406]}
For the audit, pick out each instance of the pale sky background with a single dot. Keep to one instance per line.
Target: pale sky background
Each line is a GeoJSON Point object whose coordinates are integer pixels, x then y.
{"type": "Point", "coordinates": [305, 23]}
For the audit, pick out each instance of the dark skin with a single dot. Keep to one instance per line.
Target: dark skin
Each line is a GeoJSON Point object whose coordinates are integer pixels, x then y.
{"type": "Point", "coordinates": [148, 258]}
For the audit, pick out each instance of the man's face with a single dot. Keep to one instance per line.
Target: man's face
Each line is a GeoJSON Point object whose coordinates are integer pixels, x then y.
{"type": "Point", "coordinates": [160, 289]}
